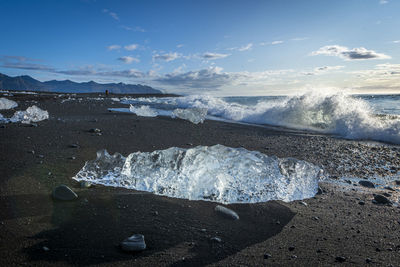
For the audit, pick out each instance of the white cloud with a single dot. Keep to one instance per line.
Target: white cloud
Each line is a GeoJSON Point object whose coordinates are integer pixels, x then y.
{"type": "Point", "coordinates": [323, 70]}
{"type": "Point", "coordinates": [131, 47]}
{"type": "Point", "coordinates": [246, 47]}
{"type": "Point", "coordinates": [396, 41]}
{"type": "Point", "coordinates": [276, 42]}
{"type": "Point", "coordinates": [180, 45]}
{"type": "Point", "coordinates": [382, 2]}
{"type": "Point", "coordinates": [212, 56]}
{"type": "Point", "coordinates": [128, 59]}
{"type": "Point", "coordinates": [299, 39]}
{"type": "Point", "coordinates": [345, 53]}
{"type": "Point", "coordinates": [113, 47]}
{"type": "Point", "coordinates": [134, 29]}
{"type": "Point", "coordinates": [166, 57]}
{"type": "Point", "coordinates": [112, 14]}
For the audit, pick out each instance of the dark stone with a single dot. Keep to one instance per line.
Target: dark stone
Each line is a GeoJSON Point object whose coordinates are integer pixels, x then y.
{"type": "Point", "coordinates": [366, 183]}
{"type": "Point", "coordinates": [387, 194]}
{"type": "Point", "coordinates": [320, 191]}
{"type": "Point", "coordinates": [267, 256]}
{"type": "Point", "coordinates": [368, 260]}
{"type": "Point", "coordinates": [63, 192]}
{"type": "Point", "coordinates": [382, 200]}
{"type": "Point", "coordinates": [228, 213]}
{"type": "Point", "coordinates": [361, 202]}
{"type": "Point", "coordinates": [95, 130]}
{"type": "Point", "coordinates": [74, 146]}
{"type": "Point", "coordinates": [340, 259]}
{"type": "Point", "coordinates": [133, 243]}
{"type": "Point", "coordinates": [397, 182]}
{"type": "Point", "coordinates": [389, 188]}
{"type": "Point", "coordinates": [291, 248]}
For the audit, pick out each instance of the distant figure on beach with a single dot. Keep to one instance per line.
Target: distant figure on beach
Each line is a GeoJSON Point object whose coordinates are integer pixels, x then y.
{"type": "Point", "coordinates": [106, 92]}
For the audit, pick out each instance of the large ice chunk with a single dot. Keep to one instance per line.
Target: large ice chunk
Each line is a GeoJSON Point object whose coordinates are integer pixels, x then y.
{"type": "Point", "coordinates": [217, 173]}
{"type": "Point", "coordinates": [7, 104]}
{"type": "Point", "coordinates": [194, 115]}
{"type": "Point", "coordinates": [144, 111]}
{"type": "Point", "coordinates": [31, 114]}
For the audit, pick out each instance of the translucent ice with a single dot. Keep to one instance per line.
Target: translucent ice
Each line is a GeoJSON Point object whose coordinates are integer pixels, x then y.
{"type": "Point", "coordinates": [144, 111]}
{"type": "Point", "coordinates": [216, 173]}
{"type": "Point", "coordinates": [7, 104]}
{"type": "Point", "coordinates": [31, 114]}
{"type": "Point", "coordinates": [194, 115]}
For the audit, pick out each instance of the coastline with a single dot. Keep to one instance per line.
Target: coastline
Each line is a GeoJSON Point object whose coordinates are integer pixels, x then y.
{"type": "Point", "coordinates": [87, 231]}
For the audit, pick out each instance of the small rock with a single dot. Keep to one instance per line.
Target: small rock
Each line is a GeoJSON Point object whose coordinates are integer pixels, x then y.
{"type": "Point", "coordinates": [303, 203]}
{"type": "Point", "coordinates": [294, 257]}
{"type": "Point", "coordinates": [320, 191]}
{"type": "Point", "coordinates": [397, 182]}
{"type": "Point", "coordinates": [73, 158]}
{"type": "Point", "coordinates": [74, 146]}
{"type": "Point", "coordinates": [85, 184]}
{"type": "Point", "coordinates": [368, 260]}
{"type": "Point", "coordinates": [2, 126]}
{"type": "Point", "coordinates": [389, 188]}
{"type": "Point", "coordinates": [227, 212]}
{"type": "Point", "coordinates": [382, 200]}
{"type": "Point", "coordinates": [340, 259]}
{"type": "Point", "coordinates": [386, 194]}
{"type": "Point", "coordinates": [216, 239]}
{"type": "Point", "coordinates": [46, 249]}
{"type": "Point", "coordinates": [291, 248]}
{"type": "Point", "coordinates": [155, 213]}
{"type": "Point", "coordinates": [315, 218]}
{"type": "Point", "coordinates": [63, 192]}
{"type": "Point", "coordinates": [133, 243]}
{"type": "Point", "coordinates": [31, 152]}
{"type": "Point", "coordinates": [362, 203]}
{"type": "Point", "coordinates": [95, 130]}
{"type": "Point", "coordinates": [267, 256]}
{"type": "Point", "coordinates": [366, 183]}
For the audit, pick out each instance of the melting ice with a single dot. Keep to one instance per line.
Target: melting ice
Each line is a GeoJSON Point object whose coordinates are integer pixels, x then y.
{"type": "Point", "coordinates": [216, 173]}
{"type": "Point", "coordinates": [31, 114]}
{"type": "Point", "coordinates": [7, 104]}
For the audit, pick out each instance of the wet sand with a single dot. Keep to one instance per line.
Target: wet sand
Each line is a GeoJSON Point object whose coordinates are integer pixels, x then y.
{"type": "Point", "coordinates": [35, 159]}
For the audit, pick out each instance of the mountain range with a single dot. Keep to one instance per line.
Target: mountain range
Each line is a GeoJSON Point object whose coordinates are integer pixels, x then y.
{"type": "Point", "coordinates": [27, 83]}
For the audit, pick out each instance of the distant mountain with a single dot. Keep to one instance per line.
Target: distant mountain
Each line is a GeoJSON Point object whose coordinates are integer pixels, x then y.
{"type": "Point", "coordinates": [27, 83]}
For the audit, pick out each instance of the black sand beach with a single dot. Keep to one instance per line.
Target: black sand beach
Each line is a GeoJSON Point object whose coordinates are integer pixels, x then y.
{"type": "Point", "coordinates": [341, 226]}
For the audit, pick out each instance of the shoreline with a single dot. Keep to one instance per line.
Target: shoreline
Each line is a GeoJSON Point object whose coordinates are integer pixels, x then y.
{"type": "Point", "coordinates": [87, 231]}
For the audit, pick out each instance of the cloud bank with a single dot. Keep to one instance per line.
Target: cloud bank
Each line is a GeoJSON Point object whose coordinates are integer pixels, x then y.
{"type": "Point", "coordinates": [345, 53]}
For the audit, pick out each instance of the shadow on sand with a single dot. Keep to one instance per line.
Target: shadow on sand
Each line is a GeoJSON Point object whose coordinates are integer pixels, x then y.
{"type": "Point", "coordinates": [177, 231]}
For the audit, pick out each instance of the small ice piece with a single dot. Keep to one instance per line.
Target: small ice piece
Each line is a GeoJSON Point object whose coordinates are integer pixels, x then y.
{"type": "Point", "coordinates": [31, 114]}
{"type": "Point", "coordinates": [214, 173]}
{"type": "Point", "coordinates": [144, 111]}
{"type": "Point", "coordinates": [7, 104]}
{"type": "Point", "coordinates": [194, 115]}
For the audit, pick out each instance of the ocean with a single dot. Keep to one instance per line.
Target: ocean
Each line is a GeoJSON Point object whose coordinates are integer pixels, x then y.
{"type": "Point", "coordinates": [359, 117]}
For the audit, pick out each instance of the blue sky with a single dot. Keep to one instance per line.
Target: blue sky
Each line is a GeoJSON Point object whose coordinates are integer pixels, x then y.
{"type": "Point", "coordinates": [216, 47]}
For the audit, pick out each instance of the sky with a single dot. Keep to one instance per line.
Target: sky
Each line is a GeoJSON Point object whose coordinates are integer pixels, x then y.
{"type": "Point", "coordinates": [218, 47]}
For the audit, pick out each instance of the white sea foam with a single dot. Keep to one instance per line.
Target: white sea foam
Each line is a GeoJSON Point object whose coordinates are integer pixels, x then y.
{"type": "Point", "coordinates": [7, 104]}
{"type": "Point", "coordinates": [216, 173]}
{"type": "Point", "coordinates": [31, 114]}
{"type": "Point", "coordinates": [334, 113]}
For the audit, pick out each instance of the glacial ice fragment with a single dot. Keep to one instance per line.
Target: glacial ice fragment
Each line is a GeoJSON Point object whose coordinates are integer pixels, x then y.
{"type": "Point", "coordinates": [216, 173]}
{"type": "Point", "coordinates": [31, 114]}
{"type": "Point", "coordinates": [194, 115]}
{"type": "Point", "coordinates": [144, 111]}
{"type": "Point", "coordinates": [7, 104]}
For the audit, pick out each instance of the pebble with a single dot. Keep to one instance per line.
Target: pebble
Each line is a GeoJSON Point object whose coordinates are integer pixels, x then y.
{"type": "Point", "coordinates": [379, 199]}
{"type": "Point", "coordinates": [303, 203]}
{"type": "Point", "coordinates": [74, 146]}
{"type": "Point", "coordinates": [85, 184]}
{"type": "Point", "coordinates": [228, 213]}
{"type": "Point", "coordinates": [267, 256]}
{"type": "Point", "coordinates": [389, 188]}
{"type": "Point", "coordinates": [133, 243]}
{"type": "Point", "coordinates": [46, 249]}
{"type": "Point", "coordinates": [366, 183]}
{"type": "Point", "coordinates": [216, 239]}
{"type": "Point", "coordinates": [340, 259]}
{"type": "Point", "coordinates": [63, 192]}
{"type": "Point", "coordinates": [368, 260]}
{"type": "Point", "coordinates": [291, 248]}
{"type": "Point", "coordinates": [361, 202]}
{"type": "Point", "coordinates": [73, 158]}
{"type": "Point", "coordinates": [95, 130]}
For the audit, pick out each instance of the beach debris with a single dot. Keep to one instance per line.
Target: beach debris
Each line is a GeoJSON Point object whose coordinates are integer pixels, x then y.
{"type": "Point", "coordinates": [133, 243]}
{"type": "Point", "coordinates": [85, 184]}
{"type": "Point", "coordinates": [366, 183]}
{"type": "Point", "coordinates": [194, 115]}
{"type": "Point", "coordinates": [7, 104]}
{"type": "Point", "coordinates": [63, 192]}
{"type": "Point", "coordinates": [95, 130]}
{"type": "Point", "coordinates": [340, 259]}
{"type": "Point", "coordinates": [379, 199]}
{"type": "Point", "coordinates": [228, 213]}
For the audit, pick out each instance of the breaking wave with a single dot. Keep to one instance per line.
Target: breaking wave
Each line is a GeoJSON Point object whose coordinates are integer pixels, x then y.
{"type": "Point", "coordinates": [216, 173]}
{"type": "Point", "coordinates": [340, 113]}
